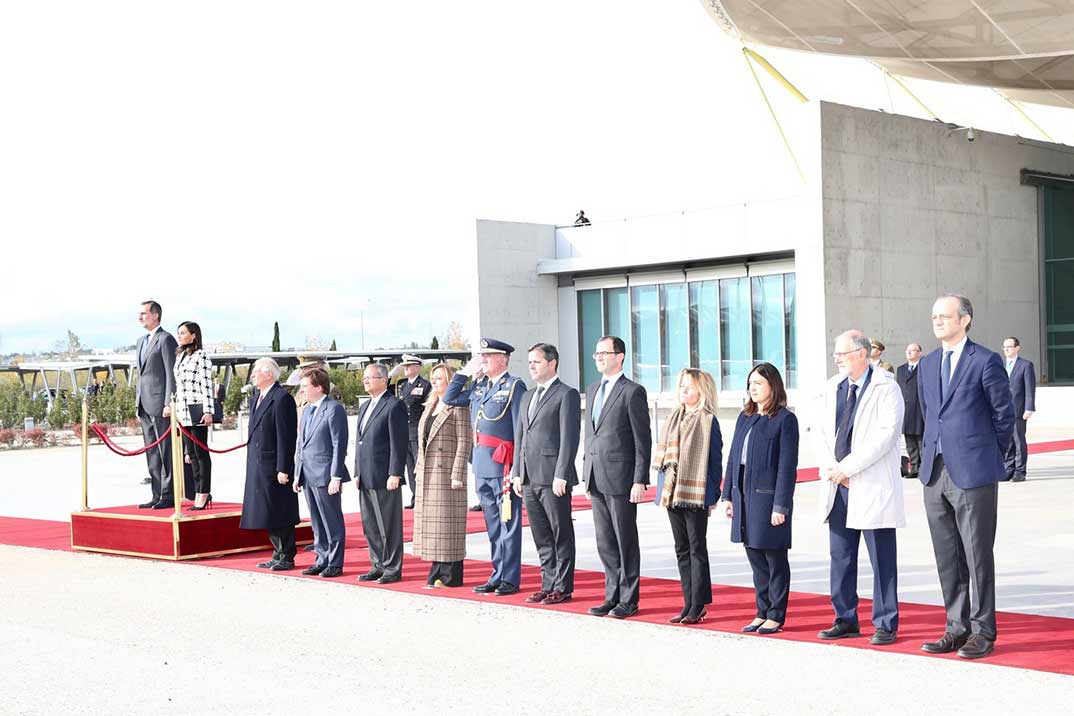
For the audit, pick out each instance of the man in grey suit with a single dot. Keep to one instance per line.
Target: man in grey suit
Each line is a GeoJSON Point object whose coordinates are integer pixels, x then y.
{"type": "Point", "coordinates": [547, 435]}
{"type": "Point", "coordinates": [379, 461]}
{"type": "Point", "coordinates": [321, 465]}
{"type": "Point", "coordinates": [615, 471]}
{"type": "Point", "coordinates": [155, 355]}
{"type": "Point", "coordinates": [1023, 381]}
{"type": "Point", "coordinates": [913, 425]}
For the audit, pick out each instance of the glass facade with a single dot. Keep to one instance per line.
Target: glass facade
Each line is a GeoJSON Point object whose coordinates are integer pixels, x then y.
{"type": "Point", "coordinates": [724, 326]}
{"type": "Point", "coordinates": [1059, 281]}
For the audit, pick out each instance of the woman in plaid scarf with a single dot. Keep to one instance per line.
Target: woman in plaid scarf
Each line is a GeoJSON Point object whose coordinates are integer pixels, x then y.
{"type": "Point", "coordinates": [689, 455]}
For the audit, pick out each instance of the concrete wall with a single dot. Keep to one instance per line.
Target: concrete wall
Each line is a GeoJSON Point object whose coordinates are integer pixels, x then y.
{"type": "Point", "coordinates": [516, 304]}
{"type": "Point", "coordinates": [912, 211]}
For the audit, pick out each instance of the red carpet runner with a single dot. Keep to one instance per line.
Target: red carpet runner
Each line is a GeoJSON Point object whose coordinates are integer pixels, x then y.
{"type": "Point", "coordinates": [1027, 641]}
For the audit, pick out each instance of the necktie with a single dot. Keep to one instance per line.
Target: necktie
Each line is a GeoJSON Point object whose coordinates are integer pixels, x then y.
{"type": "Point", "coordinates": [368, 412]}
{"type": "Point", "coordinates": [846, 424]}
{"type": "Point", "coordinates": [141, 350]}
{"type": "Point", "coordinates": [598, 402]}
{"type": "Point", "coordinates": [912, 369]}
{"type": "Point", "coordinates": [1010, 366]}
{"type": "Point", "coordinates": [536, 399]}
{"type": "Point", "coordinates": [307, 417]}
{"type": "Point", "coordinates": [945, 375]}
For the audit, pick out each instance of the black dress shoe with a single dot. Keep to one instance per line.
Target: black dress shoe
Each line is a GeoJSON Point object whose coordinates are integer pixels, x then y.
{"type": "Point", "coordinates": [147, 505]}
{"type": "Point", "coordinates": [977, 646]}
{"type": "Point", "coordinates": [147, 481]}
{"type": "Point", "coordinates": [506, 589]}
{"type": "Point", "coordinates": [945, 644]}
{"type": "Point", "coordinates": [308, 548]}
{"type": "Point", "coordinates": [882, 637]}
{"type": "Point", "coordinates": [695, 615]}
{"type": "Point", "coordinates": [840, 630]}
{"type": "Point", "coordinates": [315, 569]}
{"type": "Point", "coordinates": [623, 610]}
{"type": "Point", "coordinates": [475, 508]}
{"type": "Point", "coordinates": [683, 613]}
{"type": "Point", "coordinates": [163, 505]}
{"type": "Point", "coordinates": [486, 588]}
{"type": "Point", "coordinates": [282, 566]}
{"type": "Point", "coordinates": [389, 578]}
{"type": "Point", "coordinates": [409, 507]}
{"type": "Point", "coordinates": [330, 572]}
{"type": "Point", "coordinates": [602, 610]}
{"type": "Point", "coordinates": [1018, 478]}
{"type": "Point", "coordinates": [266, 565]}
{"type": "Point", "coordinates": [371, 576]}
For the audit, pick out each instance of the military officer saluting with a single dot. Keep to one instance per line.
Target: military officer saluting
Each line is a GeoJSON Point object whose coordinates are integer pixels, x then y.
{"type": "Point", "coordinates": [493, 396]}
{"type": "Point", "coordinates": [414, 391]}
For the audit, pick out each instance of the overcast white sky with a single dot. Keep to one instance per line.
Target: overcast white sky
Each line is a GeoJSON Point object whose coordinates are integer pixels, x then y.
{"type": "Point", "coordinates": [245, 162]}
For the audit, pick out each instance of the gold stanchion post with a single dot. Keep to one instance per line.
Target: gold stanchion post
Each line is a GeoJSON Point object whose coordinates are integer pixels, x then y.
{"type": "Point", "coordinates": [85, 453]}
{"type": "Point", "coordinates": [178, 474]}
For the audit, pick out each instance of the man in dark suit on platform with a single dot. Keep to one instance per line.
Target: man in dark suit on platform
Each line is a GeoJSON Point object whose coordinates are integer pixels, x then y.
{"type": "Point", "coordinates": [1023, 381]}
{"type": "Point", "coordinates": [913, 425]}
{"type": "Point", "coordinates": [966, 401]}
{"type": "Point", "coordinates": [615, 471]}
{"type": "Point", "coordinates": [379, 460]}
{"type": "Point", "coordinates": [414, 391]}
{"type": "Point", "coordinates": [546, 443]}
{"type": "Point", "coordinates": [155, 355]}
{"type": "Point", "coordinates": [321, 465]}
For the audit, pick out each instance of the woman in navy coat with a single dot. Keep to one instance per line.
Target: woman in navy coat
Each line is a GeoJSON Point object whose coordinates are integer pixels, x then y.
{"type": "Point", "coordinates": [762, 468]}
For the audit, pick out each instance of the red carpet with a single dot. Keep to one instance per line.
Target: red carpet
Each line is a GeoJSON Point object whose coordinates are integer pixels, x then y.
{"type": "Point", "coordinates": [1027, 641]}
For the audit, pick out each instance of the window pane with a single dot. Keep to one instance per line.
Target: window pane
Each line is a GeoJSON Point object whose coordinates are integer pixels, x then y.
{"type": "Point", "coordinates": [617, 321]}
{"type": "Point", "coordinates": [590, 329]}
{"type": "Point", "coordinates": [1059, 281]}
{"type": "Point", "coordinates": [734, 332]}
{"type": "Point", "coordinates": [675, 348]}
{"type": "Point", "coordinates": [645, 335]}
{"type": "Point", "coordinates": [768, 321]}
{"type": "Point", "coordinates": [704, 328]}
{"type": "Point", "coordinates": [790, 330]}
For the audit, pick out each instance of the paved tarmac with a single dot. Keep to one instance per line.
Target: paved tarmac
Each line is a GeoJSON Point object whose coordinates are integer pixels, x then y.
{"type": "Point", "coordinates": [92, 634]}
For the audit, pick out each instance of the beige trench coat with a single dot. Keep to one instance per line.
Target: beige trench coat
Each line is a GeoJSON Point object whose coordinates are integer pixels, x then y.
{"type": "Point", "coordinates": [439, 511]}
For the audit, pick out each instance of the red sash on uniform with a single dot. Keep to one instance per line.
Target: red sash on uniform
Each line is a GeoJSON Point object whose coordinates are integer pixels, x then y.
{"type": "Point", "coordinates": [503, 450]}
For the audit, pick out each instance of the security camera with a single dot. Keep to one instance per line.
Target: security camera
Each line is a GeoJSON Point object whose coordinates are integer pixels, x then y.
{"type": "Point", "coordinates": [970, 133]}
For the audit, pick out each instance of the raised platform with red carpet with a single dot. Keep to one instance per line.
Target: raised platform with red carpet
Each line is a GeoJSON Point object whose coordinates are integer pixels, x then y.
{"type": "Point", "coordinates": [157, 534]}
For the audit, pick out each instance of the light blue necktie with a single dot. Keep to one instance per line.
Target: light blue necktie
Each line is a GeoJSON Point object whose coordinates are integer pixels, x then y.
{"type": "Point", "coordinates": [1010, 366]}
{"type": "Point", "coordinates": [598, 402]}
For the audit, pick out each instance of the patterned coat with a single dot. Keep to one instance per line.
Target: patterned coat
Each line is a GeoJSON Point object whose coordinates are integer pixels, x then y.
{"type": "Point", "coordinates": [193, 384]}
{"type": "Point", "coordinates": [439, 511]}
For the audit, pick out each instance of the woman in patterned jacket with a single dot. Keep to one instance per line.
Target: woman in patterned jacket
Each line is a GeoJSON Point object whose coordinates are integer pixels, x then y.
{"type": "Point", "coordinates": [194, 406]}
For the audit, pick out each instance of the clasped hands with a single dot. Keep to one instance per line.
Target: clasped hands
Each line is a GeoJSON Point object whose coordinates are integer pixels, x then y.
{"type": "Point", "coordinates": [837, 476]}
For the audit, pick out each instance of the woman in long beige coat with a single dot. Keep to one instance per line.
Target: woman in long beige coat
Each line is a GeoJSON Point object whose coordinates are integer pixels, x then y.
{"type": "Point", "coordinates": [444, 444]}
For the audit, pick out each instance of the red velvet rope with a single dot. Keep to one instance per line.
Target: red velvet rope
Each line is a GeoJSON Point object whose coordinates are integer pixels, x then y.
{"type": "Point", "coordinates": [203, 446]}
{"type": "Point", "coordinates": [99, 430]}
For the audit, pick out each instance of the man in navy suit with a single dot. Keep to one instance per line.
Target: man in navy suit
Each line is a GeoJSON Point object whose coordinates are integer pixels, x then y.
{"type": "Point", "coordinates": [321, 465]}
{"type": "Point", "coordinates": [379, 461]}
{"type": "Point", "coordinates": [966, 401]}
{"type": "Point", "coordinates": [913, 425]}
{"type": "Point", "coordinates": [1023, 395]}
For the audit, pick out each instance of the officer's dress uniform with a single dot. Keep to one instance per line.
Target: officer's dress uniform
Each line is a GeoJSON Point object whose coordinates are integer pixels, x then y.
{"type": "Point", "coordinates": [494, 410]}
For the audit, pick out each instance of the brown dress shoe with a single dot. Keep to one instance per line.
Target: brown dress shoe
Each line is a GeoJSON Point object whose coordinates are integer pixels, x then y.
{"type": "Point", "coordinates": [977, 647]}
{"type": "Point", "coordinates": [537, 597]}
{"type": "Point", "coordinates": [556, 597]}
{"type": "Point", "coordinates": [945, 644]}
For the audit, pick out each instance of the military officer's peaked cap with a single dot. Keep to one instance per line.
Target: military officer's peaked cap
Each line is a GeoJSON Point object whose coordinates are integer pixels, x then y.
{"type": "Point", "coordinates": [491, 345]}
{"type": "Point", "coordinates": [410, 360]}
